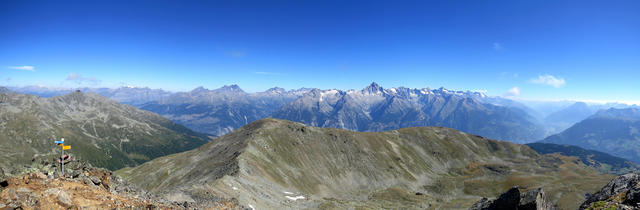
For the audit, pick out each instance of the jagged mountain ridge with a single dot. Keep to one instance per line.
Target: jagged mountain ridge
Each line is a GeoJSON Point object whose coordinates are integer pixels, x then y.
{"type": "Point", "coordinates": [274, 163]}
{"type": "Point", "coordinates": [613, 131]}
{"type": "Point", "coordinates": [221, 110]}
{"type": "Point", "coordinates": [373, 108]}
{"type": "Point", "coordinates": [101, 131]}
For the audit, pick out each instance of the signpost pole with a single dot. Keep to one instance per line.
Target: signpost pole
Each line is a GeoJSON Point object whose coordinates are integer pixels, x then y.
{"type": "Point", "coordinates": [62, 160]}
{"type": "Point", "coordinates": [63, 148]}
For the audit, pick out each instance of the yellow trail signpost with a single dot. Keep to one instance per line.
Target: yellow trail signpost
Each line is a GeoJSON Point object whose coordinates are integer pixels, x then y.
{"type": "Point", "coordinates": [63, 148]}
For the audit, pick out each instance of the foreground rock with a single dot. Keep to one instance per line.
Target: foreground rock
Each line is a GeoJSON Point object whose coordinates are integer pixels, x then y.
{"type": "Point", "coordinates": [42, 186]}
{"type": "Point", "coordinates": [514, 199]}
{"type": "Point", "coordinates": [622, 192]}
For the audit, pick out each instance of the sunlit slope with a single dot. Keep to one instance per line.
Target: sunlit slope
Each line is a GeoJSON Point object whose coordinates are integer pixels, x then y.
{"type": "Point", "coordinates": [101, 131]}
{"type": "Point", "coordinates": [266, 161]}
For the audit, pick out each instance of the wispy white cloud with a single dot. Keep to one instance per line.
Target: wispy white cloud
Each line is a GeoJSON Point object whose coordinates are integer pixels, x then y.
{"type": "Point", "coordinates": [269, 73]}
{"type": "Point", "coordinates": [23, 68]}
{"type": "Point", "coordinates": [548, 79]}
{"type": "Point", "coordinates": [79, 79]}
{"type": "Point", "coordinates": [497, 46]}
{"type": "Point", "coordinates": [513, 92]}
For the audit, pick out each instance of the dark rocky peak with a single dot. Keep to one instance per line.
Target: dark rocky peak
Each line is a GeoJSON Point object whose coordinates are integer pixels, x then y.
{"type": "Point", "coordinates": [304, 89]}
{"type": "Point", "coordinates": [80, 97]}
{"type": "Point", "coordinates": [622, 192]}
{"type": "Point", "coordinates": [402, 91]}
{"type": "Point", "coordinates": [75, 95]}
{"type": "Point", "coordinates": [199, 90]}
{"type": "Point", "coordinates": [441, 91]}
{"type": "Point", "coordinates": [230, 88]}
{"type": "Point", "coordinates": [315, 92]}
{"type": "Point", "coordinates": [515, 199]}
{"type": "Point", "coordinates": [276, 90]}
{"type": "Point", "coordinates": [373, 88]}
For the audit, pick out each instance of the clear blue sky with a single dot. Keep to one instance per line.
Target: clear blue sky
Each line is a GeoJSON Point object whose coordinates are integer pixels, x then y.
{"type": "Point", "coordinates": [550, 50]}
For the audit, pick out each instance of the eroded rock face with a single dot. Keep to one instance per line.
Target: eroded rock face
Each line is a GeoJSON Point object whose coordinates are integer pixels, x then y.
{"type": "Point", "coordinates": [622, 192]}
{"type": "Point", "coordinates": [514, 199]}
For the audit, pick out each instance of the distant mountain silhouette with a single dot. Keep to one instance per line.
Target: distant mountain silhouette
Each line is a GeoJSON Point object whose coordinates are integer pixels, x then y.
{"type": "Point", "coordinates": [614, 131]}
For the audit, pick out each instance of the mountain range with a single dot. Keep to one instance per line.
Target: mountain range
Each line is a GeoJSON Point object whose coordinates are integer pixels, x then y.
{"type": "Point", "coordinates": [273, 163]}
{"type": "Point", "coordinates": [376, 109]}
{"type": "Point", "coordinates": [564, 118]}
{"type": "Point", "coordinates": [127, 95]}
{"type": "Point", "coordinates": [222, 110]}
{"type": "Point", "coordinates": [614, 131]}
{"type": "Point", "coordinates": [373, 108]}
{"type": "Point", "coordinates": [100, 130]}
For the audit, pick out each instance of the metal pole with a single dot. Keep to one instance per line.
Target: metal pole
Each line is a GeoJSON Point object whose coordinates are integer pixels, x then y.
{"type": "Point", "coordinates": [62, 160]}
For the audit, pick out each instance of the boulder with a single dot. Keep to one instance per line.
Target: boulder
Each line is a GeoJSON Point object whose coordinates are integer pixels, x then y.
{"type": "Point", "coordinates": [95, 180]}
{"type": "Point", "coordinates": [514, 199]}
{"type": "Point", "coordinates": [483, 203]}
{"type": "Point", "coordinates": [622, 192]}
{"type": "Point", "coordinates": [508, 200]}
{"type": "Point", "coordinates": [63, 198]}
{"type": "Point", "coordinates": [3, 180]}
{"type": "Point", "coordinates": [533, 200]}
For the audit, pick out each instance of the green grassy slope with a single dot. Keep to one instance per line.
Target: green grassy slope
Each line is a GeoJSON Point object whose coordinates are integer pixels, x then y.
{"type": "Point", "coordinates": [423, 167]}
{"type": "Point", "coordinates": [601, 161]}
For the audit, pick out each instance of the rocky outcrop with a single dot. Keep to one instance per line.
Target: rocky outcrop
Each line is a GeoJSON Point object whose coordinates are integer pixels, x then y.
{"type": "Point", "coordinates": [622, 192]}
{"type": "Point", "coordinates": [41, 185]}
{"type": "Point", "coordinates": [48, 168]}
{"type": "Point", "coordinates": [3, 181]}
{"type": "Point", "coordinates": [514, 199]}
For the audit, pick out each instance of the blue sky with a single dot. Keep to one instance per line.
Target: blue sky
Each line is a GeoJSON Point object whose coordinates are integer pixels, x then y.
{"type": "Point", "coordinates": [522, 49]}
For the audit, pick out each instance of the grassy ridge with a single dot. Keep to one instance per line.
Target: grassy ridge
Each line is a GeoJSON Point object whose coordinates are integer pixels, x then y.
{"type": "Point", "coordinates": [601, 161]}
{"type": "Point", "coordinates": [423, 167]}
